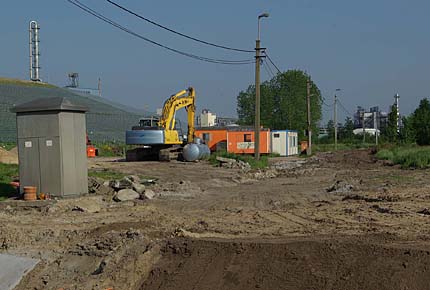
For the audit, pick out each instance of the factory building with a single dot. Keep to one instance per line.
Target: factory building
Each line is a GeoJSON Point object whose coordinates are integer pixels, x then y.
{"type": "Point", "coordinates": [374, 118]}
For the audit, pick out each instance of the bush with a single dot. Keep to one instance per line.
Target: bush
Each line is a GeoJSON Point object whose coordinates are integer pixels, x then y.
{"type": "Point", "coordinates": [7, 174]}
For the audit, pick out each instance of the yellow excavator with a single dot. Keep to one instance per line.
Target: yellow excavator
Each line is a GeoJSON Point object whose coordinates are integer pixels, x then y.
{"type": "Point", "coordinates": [158, 137]}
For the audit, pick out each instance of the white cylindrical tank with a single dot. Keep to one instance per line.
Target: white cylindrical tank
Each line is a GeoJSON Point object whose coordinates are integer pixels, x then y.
{"type": "Point", "coordinates": [193, 152]}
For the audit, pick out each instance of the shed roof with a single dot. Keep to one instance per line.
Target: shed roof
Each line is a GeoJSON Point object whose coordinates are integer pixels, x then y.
{"type": "Point", "coordinates": [49, 104]}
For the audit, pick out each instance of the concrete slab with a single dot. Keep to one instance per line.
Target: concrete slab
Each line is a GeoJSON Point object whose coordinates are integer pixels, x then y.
{"type": "Point", "coordinates": [13, 269]}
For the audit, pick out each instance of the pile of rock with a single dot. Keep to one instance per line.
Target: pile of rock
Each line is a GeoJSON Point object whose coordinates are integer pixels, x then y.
{"type": "Point", "coordinates": [128, 188]}
{"type": "Point", "coordinates": [340, 186]}
{"type": "Point", "coordinates": [233, 163]}
{"type": "Point", "coordinates": [265, 174]}
{"type": "Point", "coordinates": [289, 164]}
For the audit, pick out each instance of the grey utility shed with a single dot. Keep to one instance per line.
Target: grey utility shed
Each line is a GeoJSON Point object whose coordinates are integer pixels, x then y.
{"type": "Point", "coordinates": [52, 146]}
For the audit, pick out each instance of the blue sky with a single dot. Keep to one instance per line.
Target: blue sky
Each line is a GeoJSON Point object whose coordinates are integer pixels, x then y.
{"type": "Point", "coordinates": [369, 49]}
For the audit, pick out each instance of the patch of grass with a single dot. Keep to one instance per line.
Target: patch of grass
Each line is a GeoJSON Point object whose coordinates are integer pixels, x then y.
{"type": "Point", "coordinates": [110, 149]}
{"type": "Point", "coordinates": [340, 146]}
{"type": "Point", "coordinates": [407, 156]}
{"type": "Point", "coordinates": [262, 163]}
{"type": "Point", "coordinates": [8, 172]}
{"type": "Point", "coordinates": [25, 83]}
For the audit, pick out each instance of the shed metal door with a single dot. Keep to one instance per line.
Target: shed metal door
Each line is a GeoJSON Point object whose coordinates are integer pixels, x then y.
{"type": "Point", "coordinates": [29, 163]}
{"type": "Point", "coordinates": [50, 169]}
{"type": "Point", "coordinates": [279, 144]}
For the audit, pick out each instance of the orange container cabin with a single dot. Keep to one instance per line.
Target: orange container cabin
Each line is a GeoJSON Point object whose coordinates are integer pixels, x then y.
{"type": "Point", "coordinates": [241, 140]}
{"type": "Point", "coordinates": [214, 137]}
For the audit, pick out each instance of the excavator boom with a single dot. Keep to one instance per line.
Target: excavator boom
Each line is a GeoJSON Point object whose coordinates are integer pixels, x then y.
{"type": "Point", "coordinates": [183, 99]}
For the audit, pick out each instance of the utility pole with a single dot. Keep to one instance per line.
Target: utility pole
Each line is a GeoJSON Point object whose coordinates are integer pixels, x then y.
{"type": "Point", "coordinates": [364, 128]}
{"type": "Point", "coordinates": [257, 91]}
{"type": "Point", "coordinates": [308, 97]}
{"type": "Point", "coordinates": [335, 122]}
{"type": "Point", "coordinates": [375, 125]}
{"type": "Point", "coordinates": [257, 100]}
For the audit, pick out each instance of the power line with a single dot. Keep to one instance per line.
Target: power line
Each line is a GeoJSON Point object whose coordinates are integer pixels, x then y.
{"type": "Point", "coordinates": [268, 57]}
{"type": "Point", "coordinates": [176, 32]}
{"type": "Point", "coordinates": [265, 67]}
{"type": "Point", "coordinates": [113, 23]}
{"type": "Point", "coordinates": [268, 69]}
{"type": "Point", "coordinates": [324, 102]}
{"type": "Point", "coordinates": [344, 109]}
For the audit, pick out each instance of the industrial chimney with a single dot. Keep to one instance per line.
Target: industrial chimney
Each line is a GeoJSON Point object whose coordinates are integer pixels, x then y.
{"type": "Point", "coordinates": [34, 51]}
{"type": "Point", "coordinates": [397, 97]}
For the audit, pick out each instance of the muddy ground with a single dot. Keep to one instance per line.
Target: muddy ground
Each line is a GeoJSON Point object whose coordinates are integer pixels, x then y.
{"type": "Point", "coordinates": [334, 221]}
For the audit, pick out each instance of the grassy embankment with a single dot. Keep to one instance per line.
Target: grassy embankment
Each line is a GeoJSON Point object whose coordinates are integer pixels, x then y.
{"type": "Point", "coordinates": [7, 81]}
{"type": "Point", "coordinates": [407, 156]}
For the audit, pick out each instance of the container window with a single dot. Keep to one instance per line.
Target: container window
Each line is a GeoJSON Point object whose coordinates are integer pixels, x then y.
{"type": "Point", "coordinates": [206, 137]}
{"type": "Point", "coordinates": [276, 135]}
{"type": "Point", "coordinates": [247, 138]}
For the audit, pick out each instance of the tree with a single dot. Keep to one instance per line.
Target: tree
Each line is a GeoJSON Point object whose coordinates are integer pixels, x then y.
{"type": "Point", "coordinates": [348, 129]}
{"type": "Point", "coordinates": [246, 109]}
{"type": "Point", "coordinates": [421, 123]}
{"type": "Point", "coordinates": [283, 103]}
{"type": "Point", "coordinates": [391, 130]}
{"type": "Point", "coordinates": [407, 131]}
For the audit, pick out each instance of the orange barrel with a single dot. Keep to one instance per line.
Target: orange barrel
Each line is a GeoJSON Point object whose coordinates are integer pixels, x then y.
{"type": "Point", "coordinates": [30, 193]}
{"type": "Point", "coordinates": [303, 146]}
{"type": "Point", "coordinates": [91, 151]}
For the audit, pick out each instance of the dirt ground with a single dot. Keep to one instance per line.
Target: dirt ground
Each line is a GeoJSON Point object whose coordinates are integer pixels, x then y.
{"type": "Point", "coordinates": [334, 221]}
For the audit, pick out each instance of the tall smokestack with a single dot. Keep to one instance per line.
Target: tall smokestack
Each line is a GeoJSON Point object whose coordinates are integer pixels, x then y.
{"type": "Point", "coordinates": [397, 97]}
{"type": "Point", "coordinates": [34, 51]}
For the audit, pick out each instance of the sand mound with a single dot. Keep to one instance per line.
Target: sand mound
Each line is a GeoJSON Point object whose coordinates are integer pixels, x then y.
{"type": "Point", "coordinates": [9, 157]}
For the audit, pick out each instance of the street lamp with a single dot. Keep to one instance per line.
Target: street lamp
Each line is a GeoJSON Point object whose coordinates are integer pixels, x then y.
{"type": "Point", "coordinates": [259, 17]}
{"type": "Point", "coordinates": [257, 90]}
{"type": "Point", "coordinates": [335, 119]}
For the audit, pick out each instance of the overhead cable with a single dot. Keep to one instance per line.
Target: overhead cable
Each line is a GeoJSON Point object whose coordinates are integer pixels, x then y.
{"type": "Point", "coordinates": [174, 31]}
{"type": "Point", "coordinates": [268, 69]}
{"type": "Point", "coordinates": [268, 57]}
{"type": "Point", "coordinates": [344, 109]}
{"type": "Point", "coordinates": [115, 24]}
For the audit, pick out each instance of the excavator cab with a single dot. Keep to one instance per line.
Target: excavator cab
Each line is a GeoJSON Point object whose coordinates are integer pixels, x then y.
{"type": "Point", "coordinates": [150, 122]}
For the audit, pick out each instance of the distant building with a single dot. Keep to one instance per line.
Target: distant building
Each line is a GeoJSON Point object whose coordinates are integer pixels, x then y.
{"type": "Point", "coordinates": [209, 119]}
{"type": "Point", "coordinates": [206, 119]}
{"type": "Point", "coordinates": [374, 118]}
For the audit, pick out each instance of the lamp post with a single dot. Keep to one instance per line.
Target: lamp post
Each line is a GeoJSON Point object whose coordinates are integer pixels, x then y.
{"type": "Point", "coordinates": [335, 119]}
{"type": "Point", "coordinates": [257, 90]}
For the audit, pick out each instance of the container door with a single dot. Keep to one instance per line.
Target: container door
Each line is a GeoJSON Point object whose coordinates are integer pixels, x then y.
{"type": "Point", "coordinates": [292, 148]}
{"type": "Point", "coordinates": [50, 166]}
{"type": "Point", "coordinates": [276, 143]}
{"type": "Point", "coordinates": [283, 146]}
{"type": "Point", "coordinates": [29, 166]}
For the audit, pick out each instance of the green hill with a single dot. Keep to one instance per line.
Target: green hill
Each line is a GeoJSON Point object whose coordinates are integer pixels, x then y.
{"type": "Point", "coordinates": [106, 121]}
